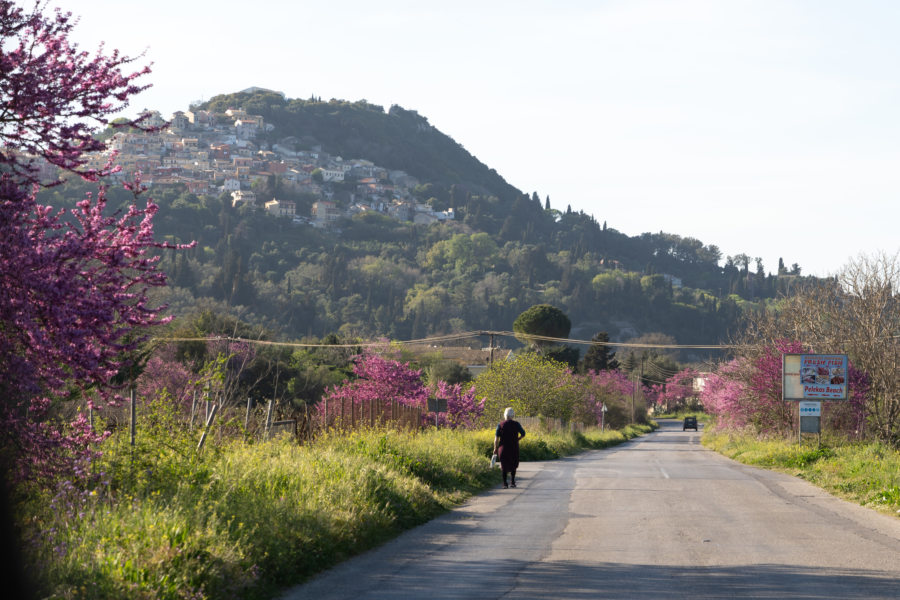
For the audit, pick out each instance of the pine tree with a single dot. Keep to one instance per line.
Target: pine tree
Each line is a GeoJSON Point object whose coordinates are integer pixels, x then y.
{"type": "Point", "coordinates": [599, 357]}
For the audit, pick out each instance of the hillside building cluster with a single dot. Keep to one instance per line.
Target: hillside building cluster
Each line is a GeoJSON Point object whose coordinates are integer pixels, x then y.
{"type": "Point", "coordinates": [210, 153]}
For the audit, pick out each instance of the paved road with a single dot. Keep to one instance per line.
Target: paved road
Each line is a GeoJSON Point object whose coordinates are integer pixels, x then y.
{"type": "Point", "coordinates": [658, 517]}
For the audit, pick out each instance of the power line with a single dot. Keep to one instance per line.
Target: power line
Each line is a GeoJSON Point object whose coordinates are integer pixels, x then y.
{"type": "Point", "coordinates": [618, 344]}
{"type": "Point", "coordinates": [446, 338]}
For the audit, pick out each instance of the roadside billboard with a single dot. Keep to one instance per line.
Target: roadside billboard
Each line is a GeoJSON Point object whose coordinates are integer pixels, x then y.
{"type": "Point", "coordinates": [814, 377]}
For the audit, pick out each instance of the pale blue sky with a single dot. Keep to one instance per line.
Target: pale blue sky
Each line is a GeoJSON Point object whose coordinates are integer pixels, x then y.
{"type": "Point", "coordinates": [768, 127]}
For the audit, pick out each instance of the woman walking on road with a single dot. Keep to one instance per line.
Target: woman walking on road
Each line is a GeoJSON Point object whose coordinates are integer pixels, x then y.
{"type": "Point", "coordinates": [506, 445]}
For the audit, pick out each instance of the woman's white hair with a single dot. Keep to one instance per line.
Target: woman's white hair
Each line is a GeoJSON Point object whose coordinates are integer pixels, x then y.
{"type": "Point", "coordinates": [509, 413]}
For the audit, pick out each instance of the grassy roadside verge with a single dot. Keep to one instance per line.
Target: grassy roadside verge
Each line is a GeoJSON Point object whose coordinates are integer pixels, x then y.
{"type": "Point", "coordinates": [868, 474]}
{"type": "Point", "coordinates": [246, 520]}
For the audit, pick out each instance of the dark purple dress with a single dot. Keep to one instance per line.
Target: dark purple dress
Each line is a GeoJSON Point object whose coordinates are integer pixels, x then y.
{"type": "Point", "coordinates": [509, 432]}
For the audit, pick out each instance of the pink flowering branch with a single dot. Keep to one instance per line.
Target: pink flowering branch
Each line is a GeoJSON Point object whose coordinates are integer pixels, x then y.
{"type": "Point", "coordinates": [464, 409]}
{"type": "Point", "coordinates": [55, 96]}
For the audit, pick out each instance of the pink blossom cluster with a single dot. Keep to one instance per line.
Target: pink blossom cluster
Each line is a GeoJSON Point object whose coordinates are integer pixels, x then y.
{"type": "Point", "coordinates": [464, 409]}
{"type": "Point", "coordinates": [723, 395]}
{"type": "Point", "coordinates": [163, 373]}
{"type": "Point", "coordinates": [378, 380]}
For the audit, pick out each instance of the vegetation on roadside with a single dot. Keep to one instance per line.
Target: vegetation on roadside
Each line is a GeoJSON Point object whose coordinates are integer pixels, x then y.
{"type": "Point", "coordinates": [245, 520]}
{"type": "Point", "coordinates": [867, 473]}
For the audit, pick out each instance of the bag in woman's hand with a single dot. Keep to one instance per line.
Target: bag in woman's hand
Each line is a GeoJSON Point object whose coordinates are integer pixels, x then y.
{"type": "Point", "coordinates": [493, 461]}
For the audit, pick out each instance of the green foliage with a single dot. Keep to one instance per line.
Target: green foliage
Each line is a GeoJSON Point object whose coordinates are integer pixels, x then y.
{"type": "Point", "coordinates": [464, 254]}
{"type": "Point", "coordinates": [246, 520]}
{"type": "Point", "coordinates": [449, 371]}
{"type": "Point", "coordinates": [568, 355]}
{"type": "Point", "coordinates": [164, 455]}
{"type": "Point", "coordinates": [806, 457]}
{"type": "Point", "coordinates": [542, 320]}
{"type": "Point", "coordinates": [531, 384]}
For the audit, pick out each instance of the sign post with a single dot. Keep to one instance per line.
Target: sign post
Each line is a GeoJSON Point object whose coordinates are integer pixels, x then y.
{"type": "Point", "coordinates": [810, 418]}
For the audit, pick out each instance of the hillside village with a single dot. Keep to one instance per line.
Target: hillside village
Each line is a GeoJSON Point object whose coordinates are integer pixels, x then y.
{"type": "Point", "coordinates": [215, 153]}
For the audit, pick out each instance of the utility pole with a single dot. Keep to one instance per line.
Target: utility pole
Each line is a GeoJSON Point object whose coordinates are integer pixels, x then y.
{"type": "Point", "coordinates": [634, 388]}
{"type": "Point", "coordinates": [640, 379]}
{"type": "Point", "coordinates": [633, 391]}
{"type": "Point", "coordinates": [491, 360]}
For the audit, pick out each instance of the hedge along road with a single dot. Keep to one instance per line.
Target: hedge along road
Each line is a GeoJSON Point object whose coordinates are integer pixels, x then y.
{"type": "Point", "coordinates": [659, 516]}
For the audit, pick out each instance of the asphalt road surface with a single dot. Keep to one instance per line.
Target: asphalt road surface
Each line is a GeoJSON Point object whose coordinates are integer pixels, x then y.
{"type": "Point", "coordinates": [657, 517]}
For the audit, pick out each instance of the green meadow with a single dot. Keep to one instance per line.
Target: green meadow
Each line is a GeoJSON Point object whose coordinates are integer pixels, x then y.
{"type": "Point", "coordinates": [245, 520]}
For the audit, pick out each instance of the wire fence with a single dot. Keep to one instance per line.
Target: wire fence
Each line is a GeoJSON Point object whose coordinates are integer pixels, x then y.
{"type": "Point", "coordinates": [215, 421]}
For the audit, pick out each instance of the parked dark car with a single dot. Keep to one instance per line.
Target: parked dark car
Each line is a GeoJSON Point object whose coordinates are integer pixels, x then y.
{"type": "Point", "coordinates": [690, 423]}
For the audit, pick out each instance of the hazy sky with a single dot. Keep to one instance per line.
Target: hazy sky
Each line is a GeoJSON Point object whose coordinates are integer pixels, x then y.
{"type": "Point", "coordinates": [765, 127]}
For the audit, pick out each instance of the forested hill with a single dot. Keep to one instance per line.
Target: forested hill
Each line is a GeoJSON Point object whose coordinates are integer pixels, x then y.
{"type": "Point", "coordinates": [375, 273]}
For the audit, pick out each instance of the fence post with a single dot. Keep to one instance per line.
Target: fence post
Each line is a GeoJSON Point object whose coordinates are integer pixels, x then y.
{"type": "Point", "coordinates": [269, 417]}
{"type": "Point", "coordinates": [209, 420]}
{"type": "Point", "coordinates": [193, 408]}
{"type": "Point", "coordinates": [133, 422]}
{"type": "Point", "coordinates": [306, 420]}
{"type": "Point", "coordinates": [247, 417]}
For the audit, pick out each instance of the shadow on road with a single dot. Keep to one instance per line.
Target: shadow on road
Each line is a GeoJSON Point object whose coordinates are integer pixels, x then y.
{"type": "Point", "coordinates": [574, 581]}
{"type": "Point", "coordinates": [751, 581]}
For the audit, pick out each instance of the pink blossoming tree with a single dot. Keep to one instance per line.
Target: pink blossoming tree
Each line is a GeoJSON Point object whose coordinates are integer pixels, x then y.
{"type": "Point", "coordinates": [74, 286]}
{"type": "Point", "coordinates": [379, 380]}
{"type": "Point", "coordinates": [678, 390]}
{"type": "Point", "coordinates": [612, 389]}
{"type": "Point", "coordinates": [724, 395]}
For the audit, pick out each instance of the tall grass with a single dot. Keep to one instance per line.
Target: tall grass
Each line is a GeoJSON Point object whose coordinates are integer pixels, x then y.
{"type": "Point", "coordinates": [244, 520]}
{"type": "Point", "coordinates": [866, 473]}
